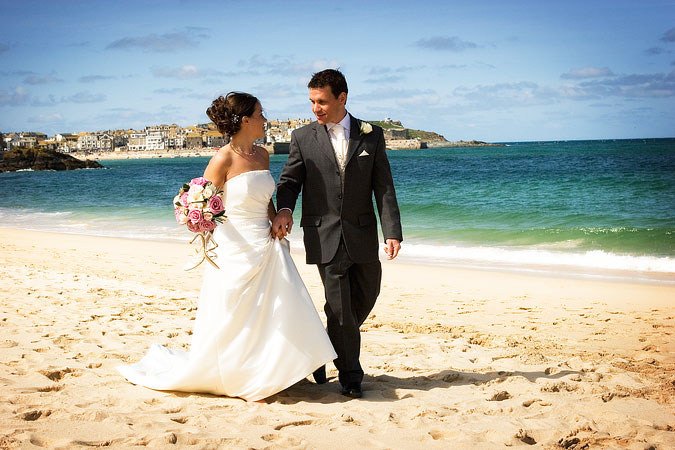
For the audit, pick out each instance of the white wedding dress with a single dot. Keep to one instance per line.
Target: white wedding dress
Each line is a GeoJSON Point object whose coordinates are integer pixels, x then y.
{"type": "Point", "coordinates": [256, 331]}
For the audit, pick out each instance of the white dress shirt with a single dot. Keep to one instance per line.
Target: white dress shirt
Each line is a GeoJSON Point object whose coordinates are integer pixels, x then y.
{"type": "Point", "coordinates": [339, 140]}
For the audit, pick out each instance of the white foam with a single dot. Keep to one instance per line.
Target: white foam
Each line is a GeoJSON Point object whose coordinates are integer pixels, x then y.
{"type": "Point", "coordinates": [542, 257]}
{"type": "Point", "coordinates": [595, 259]}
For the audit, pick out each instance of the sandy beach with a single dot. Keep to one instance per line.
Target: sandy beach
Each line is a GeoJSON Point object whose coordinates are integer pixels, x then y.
{"type": "Point", "coordinates": [454, 358]}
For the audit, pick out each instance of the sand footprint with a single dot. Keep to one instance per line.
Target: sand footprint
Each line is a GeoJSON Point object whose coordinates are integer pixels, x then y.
{"type": "Point", "coordinates": [54, 388]}
{"type": "Point", "coordinates": [34, 415]}
{"type": "Point", "coordinates": [57, 375]}
{"type": "Point", "coordinates": [296, 423]}
{"type": "Point", "coordinates": [181, 420]}
{"type": "Point", "coordinates": [281, 441]}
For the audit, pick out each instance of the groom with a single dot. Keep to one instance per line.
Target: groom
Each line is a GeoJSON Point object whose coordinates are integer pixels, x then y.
{"type": "Point", "coordinates": [339, 163]}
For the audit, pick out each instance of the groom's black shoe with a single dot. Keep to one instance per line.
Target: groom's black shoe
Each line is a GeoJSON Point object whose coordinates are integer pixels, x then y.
{"type": "Point", "coordinates": [352, 390]}
{"type": "Point", "coordinates": [320, 375]}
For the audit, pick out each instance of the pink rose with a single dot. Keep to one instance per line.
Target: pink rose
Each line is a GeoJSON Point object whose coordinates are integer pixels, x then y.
{"type": "Point", "coordinates": [216, 204]}
{"type": "Point", "coordinates": [193, 227]}
{"type": "Point", "coordinates": [200, 181]}
{"type": "Point", "coordinates": [195, 216]}
{"type": "Point", "coordinates": [206, 225]}
{"type": "Point", "coordinates": [183, 200]}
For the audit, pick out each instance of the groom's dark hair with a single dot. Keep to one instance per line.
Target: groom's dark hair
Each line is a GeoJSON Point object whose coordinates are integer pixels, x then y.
{"type": "Point", "coordinates": [329, 77]}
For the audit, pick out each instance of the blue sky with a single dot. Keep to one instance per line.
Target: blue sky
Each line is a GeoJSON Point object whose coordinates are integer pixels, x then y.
{"type": "Point", "coordinates": [487, 70]}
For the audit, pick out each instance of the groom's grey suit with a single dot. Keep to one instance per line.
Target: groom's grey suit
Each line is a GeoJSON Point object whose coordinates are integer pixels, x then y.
{"type": "Point", "coordinates": [340, 227]}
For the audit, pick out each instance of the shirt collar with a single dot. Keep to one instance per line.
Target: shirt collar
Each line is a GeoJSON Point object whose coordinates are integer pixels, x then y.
{"type": "Point", "coordinates": [345, 122]}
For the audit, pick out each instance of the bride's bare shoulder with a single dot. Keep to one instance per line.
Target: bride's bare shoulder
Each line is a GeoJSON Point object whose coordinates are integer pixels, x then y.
{"type": "Point", "coordinates": [218, 166]}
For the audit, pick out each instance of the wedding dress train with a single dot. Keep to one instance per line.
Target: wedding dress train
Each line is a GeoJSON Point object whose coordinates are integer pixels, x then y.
{"type": "Point", "coordinates": [256, 331]}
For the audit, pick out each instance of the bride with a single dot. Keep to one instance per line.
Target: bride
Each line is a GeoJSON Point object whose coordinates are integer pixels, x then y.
{"type": "Point", "coordinates": [256, 331]}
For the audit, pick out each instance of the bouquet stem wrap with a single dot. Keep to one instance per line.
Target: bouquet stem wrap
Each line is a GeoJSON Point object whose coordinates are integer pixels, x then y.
{"type": "Point", "coordinates": [205, 245]}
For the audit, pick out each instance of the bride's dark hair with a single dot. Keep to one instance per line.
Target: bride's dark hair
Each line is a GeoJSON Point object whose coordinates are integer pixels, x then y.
{"type": "Point", "coordinates": [226, 112]}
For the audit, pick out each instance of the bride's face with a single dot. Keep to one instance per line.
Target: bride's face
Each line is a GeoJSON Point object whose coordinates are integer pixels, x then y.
{"type": "Point", "coordinates": [256, 122]}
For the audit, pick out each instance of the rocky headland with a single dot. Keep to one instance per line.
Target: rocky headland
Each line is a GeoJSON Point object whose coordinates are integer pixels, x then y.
{"type": "Point", "coordinates": [399, 137]}
{"type": "Point", "coordinates": [41, 159]}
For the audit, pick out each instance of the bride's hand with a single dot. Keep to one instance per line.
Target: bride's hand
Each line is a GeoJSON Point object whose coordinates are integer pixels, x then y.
{"type": "Point", "coordinates": [276, 234]}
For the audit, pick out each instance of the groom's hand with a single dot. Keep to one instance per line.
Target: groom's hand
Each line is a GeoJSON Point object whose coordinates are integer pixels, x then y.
{"type": "Point", "coordinates": [391, 248]}
{"type": "Point", "coordinates": [282, 223]}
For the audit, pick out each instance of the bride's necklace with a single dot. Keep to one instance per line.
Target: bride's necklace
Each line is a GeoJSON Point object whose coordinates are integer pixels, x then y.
{"type": "Point", "coordinates": [243, 152]}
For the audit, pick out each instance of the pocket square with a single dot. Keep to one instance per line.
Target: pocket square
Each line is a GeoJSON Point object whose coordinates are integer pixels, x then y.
{"type": "Point", "coordinates": [364, 153]}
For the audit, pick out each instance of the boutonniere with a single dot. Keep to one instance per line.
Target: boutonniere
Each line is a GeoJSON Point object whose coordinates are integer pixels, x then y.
{"type": "Point", "coordinates": [365, 127]}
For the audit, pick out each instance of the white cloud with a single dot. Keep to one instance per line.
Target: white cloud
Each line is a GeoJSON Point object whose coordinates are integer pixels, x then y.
{"type": "Point", "coordinates": [385, 79]}
{"type": "Point", "coordinates": [37, 79]}
{"type": "Point", "coordinates": [46, 118]}
{"type": "Point", "coordinates": [172, 91]}
{"type": "Point", "coordinates": [505, 95]}
{"type": "Point", "coordinates": [161, 43]}
{"type": "Point", "coordinates": [285, 65]}
{"type": "Point", "coordinates": [657, 85]}
{"type": "Point", "coordinates": [94, 78]}
{"type": "Point", "coordinates": [587, 72]}
{"type": "Point", "coordinates": [445, 43]}
{"type": "Point", "coordinates": [83, 97]}
{"type": "Point", "coordinates": [187, 72]}
{"type": "Point", "coordinates": [669, 36]}
{"type": "Point", "coordinates": [14, 97]}
{"type": "Point", "coordinates": [270, 90]}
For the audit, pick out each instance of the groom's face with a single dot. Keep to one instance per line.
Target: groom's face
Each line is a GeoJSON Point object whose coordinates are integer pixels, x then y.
{"type": "Point", "coordinates": [326, 107]}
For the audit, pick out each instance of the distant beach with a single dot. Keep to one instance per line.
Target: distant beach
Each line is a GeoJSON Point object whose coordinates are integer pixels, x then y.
{"type": "Point", "coordinates": [140, 154]}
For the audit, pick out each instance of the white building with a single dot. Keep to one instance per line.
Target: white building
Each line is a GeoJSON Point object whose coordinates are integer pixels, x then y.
{"type": "Point", "coordinates": [137, 141]}
{"type": "Point", "coordinates": [154, 140]}
{"type": "Point", "coordinates": [87, 142]}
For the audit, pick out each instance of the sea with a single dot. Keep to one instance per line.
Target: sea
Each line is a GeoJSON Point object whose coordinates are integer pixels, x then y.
{"type": "Point", "coordinates": [599, 209]}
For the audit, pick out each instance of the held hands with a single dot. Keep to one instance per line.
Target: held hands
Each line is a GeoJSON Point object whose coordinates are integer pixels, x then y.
{"type": "Point", "coordinates": [282, 224]}
{"type": "Point", "coordinates": [391, 248]}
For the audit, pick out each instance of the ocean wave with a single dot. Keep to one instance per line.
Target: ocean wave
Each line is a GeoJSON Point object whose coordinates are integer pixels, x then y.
{"type": "Point", "coordinates": [533, 257]}
{"type": "Point", "coordinates": [566, 255]}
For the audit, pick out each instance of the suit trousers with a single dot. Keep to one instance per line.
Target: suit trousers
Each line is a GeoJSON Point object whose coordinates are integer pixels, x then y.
{"type": "Point", "coordinates": [351, 290]}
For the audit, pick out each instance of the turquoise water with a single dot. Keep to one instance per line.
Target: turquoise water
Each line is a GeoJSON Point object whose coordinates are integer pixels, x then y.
{"type": "Point", "coordinates": [583, 204]}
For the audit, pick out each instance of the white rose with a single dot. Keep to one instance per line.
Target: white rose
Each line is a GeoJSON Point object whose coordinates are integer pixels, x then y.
{"type": "Point", "coordinates": [366, 128]}
{"type": "Point", "coordinates": [196, 188]}
{"type": "Point", "coordinates": [195, 193]}
{"type": "Point", "coordinates": [208, 191]}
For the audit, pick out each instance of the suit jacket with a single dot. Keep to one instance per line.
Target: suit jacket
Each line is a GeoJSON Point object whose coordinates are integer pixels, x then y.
{"type": "Point", "coordinates": [330, 210]}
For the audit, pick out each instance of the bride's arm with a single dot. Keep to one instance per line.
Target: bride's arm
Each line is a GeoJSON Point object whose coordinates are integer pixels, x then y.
{"type": "Point", "coordinates": [218, 167]}
{"type": "Point", "coordinates": [271, 210]}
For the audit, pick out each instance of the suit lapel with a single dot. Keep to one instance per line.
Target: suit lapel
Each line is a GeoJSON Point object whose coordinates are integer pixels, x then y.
{"type": "Point", "coordinates": [354, 138]}
{"type": "Point", "coordinates": [325, 147]}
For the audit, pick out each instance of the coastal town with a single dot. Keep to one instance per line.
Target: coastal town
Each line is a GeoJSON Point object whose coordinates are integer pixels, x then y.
{"type": "Point", "coordinates": [201, 139]}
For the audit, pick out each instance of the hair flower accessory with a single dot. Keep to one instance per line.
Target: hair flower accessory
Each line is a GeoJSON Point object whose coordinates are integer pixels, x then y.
{"type": "Point", "coordinates": [235, 118]}
{"type": "Point", "coordinates": [365, 127]}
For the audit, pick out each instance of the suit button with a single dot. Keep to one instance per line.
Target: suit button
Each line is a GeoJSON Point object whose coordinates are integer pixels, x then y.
{"type": "Point", "coordinates": [340, 196]}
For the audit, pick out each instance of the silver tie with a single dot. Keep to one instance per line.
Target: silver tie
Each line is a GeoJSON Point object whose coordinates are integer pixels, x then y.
{"type": "Point", "coordinates": [340, 146]}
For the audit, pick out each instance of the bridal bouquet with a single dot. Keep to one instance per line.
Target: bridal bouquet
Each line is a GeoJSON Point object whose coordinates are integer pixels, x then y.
{"type": "Point", "coordinates": [199, 206]}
